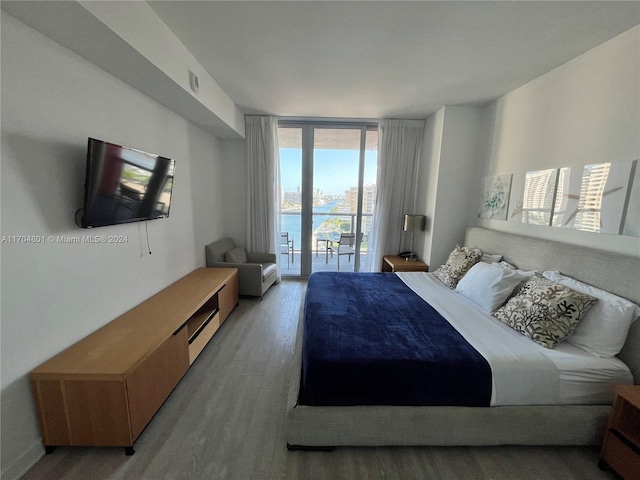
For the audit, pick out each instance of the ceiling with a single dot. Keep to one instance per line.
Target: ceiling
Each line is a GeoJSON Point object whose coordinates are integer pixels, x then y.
{"type": "Point", "coordinates": [361, 59]}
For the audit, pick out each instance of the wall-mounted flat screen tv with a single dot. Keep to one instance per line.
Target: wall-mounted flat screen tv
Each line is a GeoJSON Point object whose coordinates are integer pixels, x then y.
{"type": "Point", "coordinates": [125, 185]}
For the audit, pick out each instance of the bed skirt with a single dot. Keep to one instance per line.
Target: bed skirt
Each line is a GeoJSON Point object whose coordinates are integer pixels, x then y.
{"type": "Point", "coordinates": [317, 426]}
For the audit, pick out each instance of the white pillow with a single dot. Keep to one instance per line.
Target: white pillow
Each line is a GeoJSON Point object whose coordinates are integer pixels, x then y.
{"type": "Point", "coordinates": [489, 258]}
{"type": "Point", "coordinates": [489, 284]}
{"type": "Point", "coordinates": [504, 264]}
{"type": "Point", "coordinates": [604, 328]}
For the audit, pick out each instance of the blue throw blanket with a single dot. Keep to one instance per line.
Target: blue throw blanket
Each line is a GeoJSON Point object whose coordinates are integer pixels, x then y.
{"type": "Point", "coordinates": [370, 340]}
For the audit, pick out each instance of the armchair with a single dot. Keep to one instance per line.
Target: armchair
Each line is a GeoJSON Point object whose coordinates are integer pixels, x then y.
{"type": "Point", "coordinates": [256, 271]}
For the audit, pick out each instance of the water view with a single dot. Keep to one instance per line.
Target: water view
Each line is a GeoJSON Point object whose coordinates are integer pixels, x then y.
{"type": "Point", "coordinates": [321, 223]}
{"type": "Point", "coordinates": [341, 172]}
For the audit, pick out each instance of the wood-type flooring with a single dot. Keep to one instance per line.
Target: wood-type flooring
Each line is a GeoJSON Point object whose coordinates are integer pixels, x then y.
{"type": "Point", "coordinates": [225, 420]}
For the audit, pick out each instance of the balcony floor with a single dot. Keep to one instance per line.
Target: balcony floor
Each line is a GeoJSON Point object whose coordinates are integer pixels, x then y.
{"type": "Point", "coordinates": [320, 263]}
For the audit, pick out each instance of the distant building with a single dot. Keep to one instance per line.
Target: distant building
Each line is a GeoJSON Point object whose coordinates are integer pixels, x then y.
{"type": "Point", "coordinates": [368, 198]}
{"type": "Point", "coordinates": [295, 198]}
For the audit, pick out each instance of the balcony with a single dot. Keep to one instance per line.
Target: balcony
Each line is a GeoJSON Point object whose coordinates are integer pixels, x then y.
{"type": "Point", "coordinates": [323, 230]}
{"type": "Point", "coordinates": [318, 263]}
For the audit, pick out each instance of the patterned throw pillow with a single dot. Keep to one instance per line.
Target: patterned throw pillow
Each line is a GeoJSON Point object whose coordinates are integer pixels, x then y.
{"type": "Point", "coordinates": [545, 311]}
{"type": "Point", "coordinates": [460, 260]}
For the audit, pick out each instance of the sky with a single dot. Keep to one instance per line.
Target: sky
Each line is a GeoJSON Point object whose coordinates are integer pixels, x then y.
{"type": "Point", "coordinates": [335, 171]}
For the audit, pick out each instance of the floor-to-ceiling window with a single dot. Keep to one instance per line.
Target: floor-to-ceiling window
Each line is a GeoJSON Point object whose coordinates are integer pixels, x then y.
{"type": "Point", "coordinates": [328, 174]}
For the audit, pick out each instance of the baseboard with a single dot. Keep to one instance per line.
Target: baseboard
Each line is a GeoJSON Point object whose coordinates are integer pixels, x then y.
{"type": "Point", "coordinates": [22, 465]}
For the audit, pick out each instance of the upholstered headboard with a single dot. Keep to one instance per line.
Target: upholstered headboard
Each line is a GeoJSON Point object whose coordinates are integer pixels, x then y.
{"type": "Point", "coordinates": [609, 271]}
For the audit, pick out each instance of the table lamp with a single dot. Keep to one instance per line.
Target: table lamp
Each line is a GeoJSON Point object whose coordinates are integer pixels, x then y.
{"type": "Point", "coordinates": [412, 223]}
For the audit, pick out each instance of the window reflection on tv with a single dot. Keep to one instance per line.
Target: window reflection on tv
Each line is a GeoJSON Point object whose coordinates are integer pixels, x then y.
{"type": "Point", "coordinates": [125, 185]}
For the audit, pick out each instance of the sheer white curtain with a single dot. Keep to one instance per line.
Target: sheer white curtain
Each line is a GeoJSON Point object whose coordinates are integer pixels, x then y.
{"type": "Point", "coordinates": [263, 159]}
{"type": "Point", "coordinates": [399, 147]}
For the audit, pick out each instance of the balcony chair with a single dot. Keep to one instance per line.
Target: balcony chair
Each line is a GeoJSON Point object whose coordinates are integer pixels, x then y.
{"type": "Point", "coordinates": [344, 246]}
{"type": "Point", "coordinates": [256, 271]}
{"type": "Point", "coordinates": [286, 246]}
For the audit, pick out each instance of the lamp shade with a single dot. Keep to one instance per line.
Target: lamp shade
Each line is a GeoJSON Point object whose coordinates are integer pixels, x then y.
{"type": "Point", "coordinates": [413, 223]}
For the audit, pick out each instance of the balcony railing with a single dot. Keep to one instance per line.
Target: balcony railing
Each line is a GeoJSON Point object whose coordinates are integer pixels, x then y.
{"type": "Point", "coordinates": [322, 232]}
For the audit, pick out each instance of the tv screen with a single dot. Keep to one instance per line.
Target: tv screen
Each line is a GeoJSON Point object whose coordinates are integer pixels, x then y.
{"type": "Point", "coordinates": [125, 185]}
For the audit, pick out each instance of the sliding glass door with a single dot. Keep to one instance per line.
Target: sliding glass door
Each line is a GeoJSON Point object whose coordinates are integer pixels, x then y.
{"type": "Point", "coordinates": [328, 177]}
{"type": "Point", "coordinates": [290, 140]}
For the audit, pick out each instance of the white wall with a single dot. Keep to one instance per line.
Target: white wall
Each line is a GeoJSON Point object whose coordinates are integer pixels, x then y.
{"type": "Point", "coordinates": [450, 166]}
{"type": "Point", "coordinates": [159, 45]}
{"type": "Point", "coordinates": [234, 188]}
{"type": "Point", "coordinates": [130, 41]}
{"type": "Point", "coordinates": [586, 111]}
{"type": "Point", "coordinates": [428, 181]}
{"type": "Point", "coordinates": [54, 294]}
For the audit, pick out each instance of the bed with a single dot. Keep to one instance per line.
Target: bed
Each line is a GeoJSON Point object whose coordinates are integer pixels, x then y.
{"type": "Point", "coordinates": [572, 412]}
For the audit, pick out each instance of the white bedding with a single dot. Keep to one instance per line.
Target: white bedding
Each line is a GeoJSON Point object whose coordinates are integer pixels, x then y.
{"type": "Point", "coordinates": [524, 373]}
{"type": "Point", "coordinates": [584, 378]}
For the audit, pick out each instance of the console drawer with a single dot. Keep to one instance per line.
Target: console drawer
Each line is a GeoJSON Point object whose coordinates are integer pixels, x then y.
{"type": "Point", "coordinates": [202, 337]}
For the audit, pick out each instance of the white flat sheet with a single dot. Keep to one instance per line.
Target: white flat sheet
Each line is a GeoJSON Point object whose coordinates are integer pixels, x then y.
{"type": "Point", "coordinates": [524, 373]}
{"type": "Point", "coordinates": [586, 379]}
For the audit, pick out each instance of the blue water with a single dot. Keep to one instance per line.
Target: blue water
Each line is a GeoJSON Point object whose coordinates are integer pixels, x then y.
{"type": "Point", "coordinates": [291, 223]}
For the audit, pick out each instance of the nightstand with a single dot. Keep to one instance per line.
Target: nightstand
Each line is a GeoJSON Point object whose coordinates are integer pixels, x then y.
{"type": "Point", "coordinates": [396, 263]}
{"type": "Point", "coordinates": [621, 446]}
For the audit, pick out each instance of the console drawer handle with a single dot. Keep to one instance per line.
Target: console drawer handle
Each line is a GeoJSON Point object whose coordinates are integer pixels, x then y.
{"type": "Point", "coordinates": [202, 327]}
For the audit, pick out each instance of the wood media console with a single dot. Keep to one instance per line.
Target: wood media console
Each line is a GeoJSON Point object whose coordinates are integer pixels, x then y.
{"type": "Point", "coordinates": [105, 389]}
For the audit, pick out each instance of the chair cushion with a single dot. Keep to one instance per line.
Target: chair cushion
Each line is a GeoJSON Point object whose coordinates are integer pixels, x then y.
{"type": "Point", "coordinates": [268, 270]}
{"type": "Point", "coordinates": [215, 251]}
{"type": "Point", "coordinates": [236, 255]}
